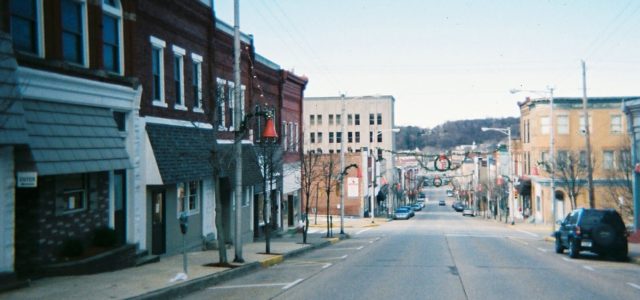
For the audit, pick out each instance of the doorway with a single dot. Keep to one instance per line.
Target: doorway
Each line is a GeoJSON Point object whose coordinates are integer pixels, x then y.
{"type": "Point", "coordinates": [290, 209]}
{"type": "Point", "coordinates": [120, 205]}
{"type": "Point", "coordinates": [158, 228]}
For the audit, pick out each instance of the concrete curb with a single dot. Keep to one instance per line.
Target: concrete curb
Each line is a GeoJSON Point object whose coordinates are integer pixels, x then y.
{"type": "Point", "coordinates": [193, 285]}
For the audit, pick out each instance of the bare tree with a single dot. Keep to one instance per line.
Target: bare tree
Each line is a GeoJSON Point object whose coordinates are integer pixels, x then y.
{"type": "Point", "coordinates": [569, 172]}
{"type": "Point", "coordinates": [309, 167]}
{"type": "Point", "coordinates": [330, 173]}
{"type": "Point", "coordinates": [619, 183]}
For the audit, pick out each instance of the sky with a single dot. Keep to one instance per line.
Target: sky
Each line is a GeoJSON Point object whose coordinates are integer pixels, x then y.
{"type": "Point", "coordinates": [451, 59]}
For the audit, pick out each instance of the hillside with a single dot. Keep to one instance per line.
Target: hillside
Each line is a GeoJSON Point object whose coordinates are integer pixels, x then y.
{"type": "Point", "coordinates": [453, 133]}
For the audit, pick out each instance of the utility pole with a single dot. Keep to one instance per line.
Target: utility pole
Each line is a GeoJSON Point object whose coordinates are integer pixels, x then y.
{"type": "Point", "coordinates": [342, 174]}
{"type": "Point", "coordinates": [551, 159]}
{"type": "Point", "coordinates": [587, 136]}
{"type": "Point", "coordinates": [237, 113]}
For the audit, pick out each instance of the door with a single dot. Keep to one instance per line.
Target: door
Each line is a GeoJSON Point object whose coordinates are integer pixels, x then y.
{"type": "Point", "coordinates": [158, 222]}
{"type": "Point", "coordinates": [120, 202]}
{"type": "Point", "coordinates": [290, 209]}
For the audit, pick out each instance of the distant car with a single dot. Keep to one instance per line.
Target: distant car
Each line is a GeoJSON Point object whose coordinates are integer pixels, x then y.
{"type": "Point", "coordinates": [601, 231]}
{"type": "Point", "coordinates": [402, 213]}
{"type": "Point", "coordinates": [468, 211]}
{"type": "Point", "coordinates": [442, 203]}
{"type": "Point", "coordinates": [450, 193]}
{"type": "Point", "coordinates": [457, 206]}
{"type": "Point", "coordinates": [421, 203]}
{"type": "Point", "coordinates": [411, 210]}
{"type": "Point", "coordinates": [416, 207]}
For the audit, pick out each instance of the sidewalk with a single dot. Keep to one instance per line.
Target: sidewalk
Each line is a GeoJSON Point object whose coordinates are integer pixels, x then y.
{"type": "Point", "coordinates": [545, 230]}
{"type": "Point", "coordinates": [158, 280]}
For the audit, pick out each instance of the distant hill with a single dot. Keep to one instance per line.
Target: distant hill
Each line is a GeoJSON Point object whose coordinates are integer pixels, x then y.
{"type": "Point", "coordinates": [454, 133]}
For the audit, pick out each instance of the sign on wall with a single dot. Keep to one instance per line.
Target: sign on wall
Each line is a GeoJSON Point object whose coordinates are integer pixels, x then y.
{"type": "Point", "coordinates": [27, 179]}
{"type": "Point", "coordinates": [352, 186]}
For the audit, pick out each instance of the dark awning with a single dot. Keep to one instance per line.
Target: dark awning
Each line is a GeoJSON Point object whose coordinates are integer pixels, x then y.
{"type": "Point", "coordinates": [186, 153]}
{"type": "Point", "coordinates": [524, 186]}
{"type": "Point", "coordinates": [68, 138]}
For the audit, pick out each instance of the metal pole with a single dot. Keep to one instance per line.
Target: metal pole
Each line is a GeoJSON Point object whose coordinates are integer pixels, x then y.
{"type": "Point", "coordinates": [342, 121]}
{"type": "Point", "coordinates": [238, 135]}
{"type": "Point", "coordinates": [184, 254]}
{"type": "Point", "coordinates": [587, 137]}
{"type": "Point", "coordinates": [373, 185]}
{"type": "Point", "coordinates": [511, 198]}
{"type": "Point", "coordinates": [551, 158]}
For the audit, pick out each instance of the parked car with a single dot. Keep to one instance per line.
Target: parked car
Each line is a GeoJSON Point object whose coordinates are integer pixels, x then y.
{"type": "Point", "coordinates": [450, 193]}
{"type": "Point", "coordinates": [416, 207]}
{"type": "Point", "coordinates": [601, 231]}
{"type": "Point", "coordinates": [442, 203]}
{"type": "Point", "coordinates": [457, 206]}
{"type": "Point", "coordinates": [421, 203]}
{"type": "Point", "coordinates": [468, 211]}
{"type": "Point", "coordinates": [411, 211]}
{"type": "Point", "coordinates": [402, 213]}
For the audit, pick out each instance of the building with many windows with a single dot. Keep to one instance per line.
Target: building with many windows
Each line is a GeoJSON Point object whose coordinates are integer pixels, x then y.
{"type": "Point", "coordinates": [610, 155]}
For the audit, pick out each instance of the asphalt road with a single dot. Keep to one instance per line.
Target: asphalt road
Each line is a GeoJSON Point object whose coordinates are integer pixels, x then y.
{"type": "Point", "coordinates": [438, 254]}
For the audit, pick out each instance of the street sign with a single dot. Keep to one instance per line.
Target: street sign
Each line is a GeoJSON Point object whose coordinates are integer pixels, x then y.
{"type": "Point", "coordinates": [27, 179]}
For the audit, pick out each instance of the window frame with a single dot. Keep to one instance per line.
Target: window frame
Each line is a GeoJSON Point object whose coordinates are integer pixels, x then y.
{"type": "Point", "coordinates": [618, 127]}
{"type": "Point", "coordinates": [116, 13]}
{"type": "Point", "coordinates": [178, 77]}
{"type": "Point", "coordinates": [159, 46]}
{"type": "Point", "coordinates": [221, 85]}
{"type": "Point", "coordinates": [562, 128]}
{"type": "Point", "coordinates": [608, 164]}
{"type": "Point", "coordinates": [196, 82]}
{"type": "Point", "coordinates": [545, 125]}
{"type": "Point", "coordinates": [180, 200]}
{"type": "Point", "coordinates": [84, 26]}
{"type": "Point", "coordinates": [39, 37]}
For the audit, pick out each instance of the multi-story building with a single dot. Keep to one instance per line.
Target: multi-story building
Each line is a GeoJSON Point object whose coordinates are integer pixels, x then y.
{"type": "Point", "coordinates": [609, 151]}
{"type": "Point", "coordinates": [368, 122]}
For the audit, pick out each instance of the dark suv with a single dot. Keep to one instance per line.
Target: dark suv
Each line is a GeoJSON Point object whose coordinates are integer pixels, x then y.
{"type": "Point", "coordinates": [601, 231]}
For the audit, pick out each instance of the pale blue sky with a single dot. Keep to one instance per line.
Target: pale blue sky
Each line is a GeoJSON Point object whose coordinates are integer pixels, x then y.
{"type": "Point", "coordinates": [450, 59]}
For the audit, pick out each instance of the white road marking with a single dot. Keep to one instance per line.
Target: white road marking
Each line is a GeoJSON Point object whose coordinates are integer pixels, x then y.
{"type": "Point", "coordinates": [634, 285]}
{"type": "Point", "coordinates": [529, 233]}
{"type": "Point", "coordinates": [327, 265]}
{"type": "Point", "coordinates": [360, 248]}
{"type": "Point", "coordinates": [345, 248]}
{"type": "Point", "coordinates": [247, 286]}
{"type": "Point", "coordinates": [292, 284]}
{"type": "Point", "coordinates": [590, 268]}
{"type": "Point", "coordinates": [542, 250]}
{"type": "Point", "coordinates": [363, 230]}
{"type": "Point", "coordinates": [566, 259]}
{"type": "Point", "coordinates": [344, 256]}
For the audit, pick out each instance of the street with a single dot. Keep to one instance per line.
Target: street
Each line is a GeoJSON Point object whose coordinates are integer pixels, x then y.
{"type": "Point", "coordinates": [438, 254]}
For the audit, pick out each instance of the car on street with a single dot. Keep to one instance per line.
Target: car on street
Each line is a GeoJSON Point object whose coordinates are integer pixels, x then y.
{"type": "Point", "coordinates": [601, 231]}
{"type": "Point", "coordinates": [450, 193]}
{"type": "Point", "coordinates": [457, 206]}
{"type": "Point", "coordinates": [416, 207]}
{"type": "Point", "coordinates": [411, 211]}
{"type": "Point", "coordinates": [468, 211]}
{"type": "Point", "coordinates": [442, 203]}
{"type": "Point", "coordinates": [402, 213]}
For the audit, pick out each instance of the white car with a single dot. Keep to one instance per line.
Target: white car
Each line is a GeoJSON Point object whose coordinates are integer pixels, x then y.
{"type": "Point", "coordinates": [468, 211]}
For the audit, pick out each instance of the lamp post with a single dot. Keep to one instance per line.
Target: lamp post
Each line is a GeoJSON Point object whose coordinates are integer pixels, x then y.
{"type": "Point", "coordinates": [549, 92]}
{"type": "Point", "coordinates": [238, 136]}
{"type": "Point", "coordinates": [507, 131]}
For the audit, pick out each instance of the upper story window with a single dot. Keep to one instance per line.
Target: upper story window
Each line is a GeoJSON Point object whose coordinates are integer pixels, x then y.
{"type": "Point", "coordinates": [370, 136]}
{"type": "Point", "coordinates": [582, 127]}
{"type": "Point", "coordinates": [338, 119]}
{"type": "Point", "coordinates": [350, 137]}
{"type": "Point", "coordinates": [220, 101]}
{"type": "Point", "coordinates": [330, 137]}
{"type": "Point", "coordinates": [319, 137]}
{"type": "Point", "coordinates": [112, 50]}
{"type": "Point", "coordinates": [285, 136]}
{"type": "Point", "coordinates": [379, 119]}
{"type": "Point", "coordinates": [616, 124]}
{"type": "Point", "coordinates": [27, 26]}
{"type": "Point", "coordinates": [544, 125]}
{"type": "Point", "coordinates": [312, 137]}
{"type": "Point", "coordinates": [357, 136]}
{"type": "Point", "coordinates": [319, 119]}
{"type": "Point", "coordinates": [74, 31]}
{"type": "Point", "coordinates": [372, 119]}
{"type": "Point", "coordinates": [563, 124]}
{"type": "Point", "coordinates": [157, 71]}
{"type": "Point", "coordinates": [121, 120]}
{"type": "Point", "coordinates": [178, 77]}
{"type": "Point", "coordinates": [231, 103]}
{"type": "Point", "coordinates": [607, 160]}
{"type": "Point", "coordinates": [379, 136]}
{"type": "Point", "coordinates": [349, 119]}
{"type": "Point", "coordinates": [330, 119]}
{"type": "Point", "coordinates": [357, 119]}
{"type": "Point", "coordinates": [196, 82]}
{"type": "Point", "coordinates": [312, 119]}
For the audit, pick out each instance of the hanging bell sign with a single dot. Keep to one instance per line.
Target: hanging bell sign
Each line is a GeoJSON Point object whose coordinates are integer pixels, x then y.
{"type": "Point", "coordinates": [269, 131]}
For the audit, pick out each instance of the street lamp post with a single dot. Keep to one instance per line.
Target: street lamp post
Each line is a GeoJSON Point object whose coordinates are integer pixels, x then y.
{"type": "Point", "coordinates": [507, 131]}
{"type": "Point", "coordinates": [549, 91]}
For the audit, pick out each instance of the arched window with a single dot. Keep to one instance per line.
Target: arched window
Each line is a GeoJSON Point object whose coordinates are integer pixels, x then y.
{"type": "Point", "coordinates": [112, 50]}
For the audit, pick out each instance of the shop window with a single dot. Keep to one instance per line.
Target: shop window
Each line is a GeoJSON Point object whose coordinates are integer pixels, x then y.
{"type": "Point", "coordinates": [188, 197]}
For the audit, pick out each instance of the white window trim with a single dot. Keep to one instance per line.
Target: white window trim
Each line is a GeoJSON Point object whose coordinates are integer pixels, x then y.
{"type": "Point", "coordinates": [611, 124]}
{"type": "Point", "coordinates": [198, 199]}
{"type": "Point", "coordinates": [558, 125]}
{"type": "Point", "coordinates": [117, 13]}
{"type": "Point", "coordinates": [197, 62]}
{"type": "Point", "coordinates": [231, 93]}
{"type": "Point", "coordinates": [85, 35]}
{"type": "Point", "coordinates": [545, 128]}
{"type": "Point", "coordinates": [160, 45]}
{"type": "Point", "coordinates": [179, 53]}
{"type": "Point", "coordinates": [242, 101]}
{"type": "Point", "coordinates": [220, 103]}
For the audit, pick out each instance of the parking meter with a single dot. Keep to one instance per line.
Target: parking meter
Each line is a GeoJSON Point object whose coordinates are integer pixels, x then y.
{"type": "Point", "coordinates": [184, 222]}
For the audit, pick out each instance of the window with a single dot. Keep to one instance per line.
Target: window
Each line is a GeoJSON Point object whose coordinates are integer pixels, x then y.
{"type": "Point", "coordinates": [220, 101]}
{"type": "Point", "coordinates": [544, 125]}
{"type": "Point", "coordinates": [285, 136]}
{"type": "Point", "coordinates": [607, 160]}
{"type": "Point", "coordinates": [379, 119]}
{"type": "Point", "coordinates": [178, 77]}
{"type": "Point", "coordinates": [379, 136]}
{"type": "Point", "coordinates": [26, 26]}
{"type": "Point", "coordinates": [616, 124]}
{"type": "Point", "coordinates": [563, 158]}
{"type": "Point", "coordinates": [379, 153]}
{"type": "Point", "coordinates": [112, 52]}
{"type": "Point", "coordinates": [188, 197]}
{"type": "Point", "coordinates": [625, 158]}
{"type": "Point", "coordinates": [73, 31]}
{"type": "Point", "coordinates": [357, 136]}
{"type": "Point", "coordinates": [120, 118]}
{"type": "Point", "coordinates": [196, 82]}
{"type": "Point", "coordinates": [350, 137]}
{"type": "Point", "coordinates": [357, 120]}
{"type": "Point", "coordinates": [338, 137]}
{"type": "Point", "coordinates": [330, 137]}
{"type": "Point", "coordinates": [370, 136]}
{"type": "Point", "coordinates": [544, 156]}
{"type": "Point", "coordinates": [312, 119]}
{"type": "Point", "coordinates": [312, 137]}
{"type": "Point", "coordinates": [296, 140]}
{"type": "Point", "coordinates": [330, 119]}
{"type": "Point", "coordinates": [371, 119]}
{"type": "Point", "coordinates": [73, 192]}
{"type": "Point", "coordinates": [157, 69]}
{"type": "Point", "coordinates": [563, 125]}
{"type": "Point", "coordinates": [319, 137]}
{"type": "Point", "coordinates": [338, 119]}
{"type": "Point", "coordinates": [349, 119]}
{"type": "Point", "coordinates": [583, 159]}
{"type": "Point", "coordinates": [231, 103]}
{"type": "Point", "coordinates": [582, 127]}
{"type": "Point", "coordinates": [319, 119]}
